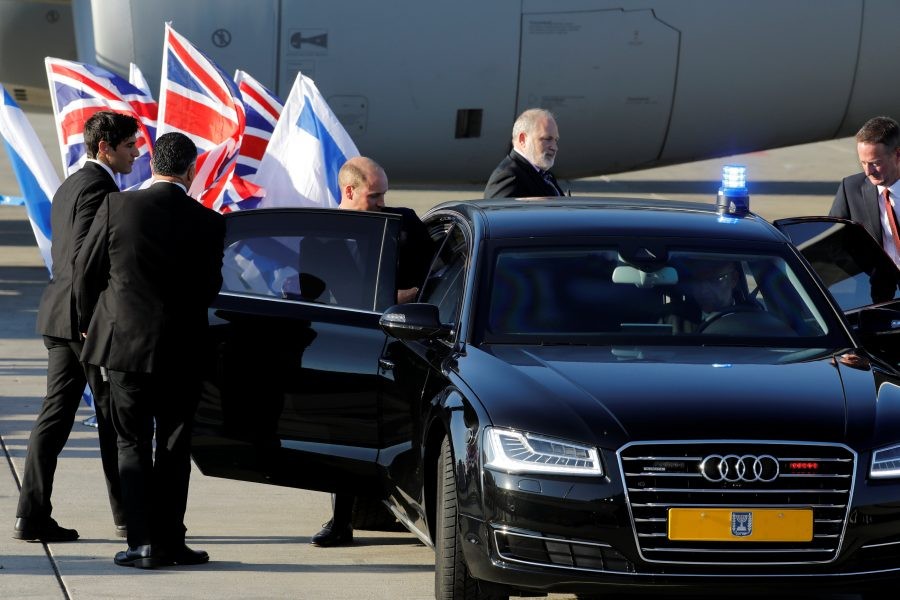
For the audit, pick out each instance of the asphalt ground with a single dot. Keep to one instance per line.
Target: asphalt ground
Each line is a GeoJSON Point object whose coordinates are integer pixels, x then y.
{"type": "Point", "coordinates": [258, 536]}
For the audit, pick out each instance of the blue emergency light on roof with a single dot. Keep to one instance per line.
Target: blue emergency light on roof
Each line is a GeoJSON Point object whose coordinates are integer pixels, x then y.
{"type": "Point", "coordinates": [733, 198]}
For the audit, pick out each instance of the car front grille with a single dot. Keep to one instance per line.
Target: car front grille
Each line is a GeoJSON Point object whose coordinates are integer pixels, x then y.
{"type": "Point", "coordinates": [666, 475]}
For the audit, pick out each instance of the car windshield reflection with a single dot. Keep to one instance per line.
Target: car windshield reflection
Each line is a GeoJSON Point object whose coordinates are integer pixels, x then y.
{"type": "Point", "coordinates": [559, 295]}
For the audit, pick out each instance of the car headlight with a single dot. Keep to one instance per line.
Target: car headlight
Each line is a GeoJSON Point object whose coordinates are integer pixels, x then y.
{"type": "Point", "coordinates": [516, 452]}
{"type": "Point", "coordinates": [886, 462]}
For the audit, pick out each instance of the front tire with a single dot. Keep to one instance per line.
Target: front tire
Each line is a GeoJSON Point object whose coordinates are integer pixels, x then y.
{"type": "Point", "coordinates": [451, 575]}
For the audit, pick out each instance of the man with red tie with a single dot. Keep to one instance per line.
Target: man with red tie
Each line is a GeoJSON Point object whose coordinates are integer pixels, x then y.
{"type": "Point", "coordinates": [871, 197]}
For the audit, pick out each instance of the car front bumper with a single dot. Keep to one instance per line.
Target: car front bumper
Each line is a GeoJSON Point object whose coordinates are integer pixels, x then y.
{"type": "Point", "coordinates": [571, 534]}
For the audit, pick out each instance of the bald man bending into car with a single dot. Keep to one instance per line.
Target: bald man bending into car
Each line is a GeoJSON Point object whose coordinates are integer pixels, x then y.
{"type": "Point", "coordinates": [364, 185]}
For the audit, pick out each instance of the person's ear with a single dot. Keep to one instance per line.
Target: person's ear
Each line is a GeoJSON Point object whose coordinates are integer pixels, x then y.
{"type": "Point", "coordinates": [522, 137]}
{"type": "Point", "coordinates": [102, 149]}
{"type": "Point", "coordinates": [189, 175]}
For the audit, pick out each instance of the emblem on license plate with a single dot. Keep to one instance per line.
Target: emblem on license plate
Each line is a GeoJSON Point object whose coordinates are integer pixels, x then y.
{"type": "Point", "coordinates": [741, 524]}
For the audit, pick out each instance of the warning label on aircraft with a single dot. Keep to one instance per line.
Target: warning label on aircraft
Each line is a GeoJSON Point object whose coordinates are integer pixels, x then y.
{"type": "Point", "coordinates": [550, 27]}
{"type": "Point", "coordinates": [308, 42]}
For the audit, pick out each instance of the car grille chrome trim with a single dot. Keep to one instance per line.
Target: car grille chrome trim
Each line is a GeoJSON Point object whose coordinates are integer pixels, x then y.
{"type": "Point", "coordinates": [671, 490]}
{"type": "Point", "coordinates": [661, 475]}
{"type": "Point", "coordinates": [728, 505]}
{"type": "Point", "coordinates": [732, 551]}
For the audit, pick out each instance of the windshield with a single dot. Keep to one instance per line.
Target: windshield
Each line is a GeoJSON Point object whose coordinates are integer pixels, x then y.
{"type": "Point", "coordinates": [562, 294]}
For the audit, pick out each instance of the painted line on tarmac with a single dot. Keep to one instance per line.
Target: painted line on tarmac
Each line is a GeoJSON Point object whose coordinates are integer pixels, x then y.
{"type": "Point", "coordinates": [56, 573]}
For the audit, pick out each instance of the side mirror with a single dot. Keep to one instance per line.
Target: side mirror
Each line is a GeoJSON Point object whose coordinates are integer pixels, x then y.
{"type": "Point", "coordinates": [414, 321]}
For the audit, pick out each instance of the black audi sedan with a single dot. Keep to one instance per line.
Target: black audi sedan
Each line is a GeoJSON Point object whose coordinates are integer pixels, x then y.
{"type": "Point", "coordinates": [589, 396]}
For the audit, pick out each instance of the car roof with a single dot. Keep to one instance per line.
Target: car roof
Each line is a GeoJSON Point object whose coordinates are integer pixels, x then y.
{"type": "Point", "coordinates": [510, 218]}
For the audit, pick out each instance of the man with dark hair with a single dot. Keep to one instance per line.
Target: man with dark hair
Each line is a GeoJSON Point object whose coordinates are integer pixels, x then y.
{"type": "Point", "coordinates": [150, 267]}
{"type": "Point", "coordinates": [111, 148]}
{"type": "Point", "coordinates": [869, 198]}
{"type": "Point", "coordinates": [525, 172]}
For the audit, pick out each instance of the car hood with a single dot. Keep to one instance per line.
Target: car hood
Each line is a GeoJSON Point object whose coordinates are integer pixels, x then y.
{"type": "Point", "coordinates": [615, 395]}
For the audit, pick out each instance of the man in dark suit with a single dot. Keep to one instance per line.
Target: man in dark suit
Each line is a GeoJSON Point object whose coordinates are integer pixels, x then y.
{"type": "Point", "coordinates": [111, 148]}
{"type": "Point", "coordinates": [870, 197]}
{"type": "Point", "coordinates": [149, 269]}
{"type": "Point", "coordinates": [525, 172]}
{"type": "Point", "coordinates": [363, 186]}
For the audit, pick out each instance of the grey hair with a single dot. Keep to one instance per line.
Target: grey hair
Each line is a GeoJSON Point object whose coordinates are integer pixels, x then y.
{"type": "Point", "coordinates": [526, 122]}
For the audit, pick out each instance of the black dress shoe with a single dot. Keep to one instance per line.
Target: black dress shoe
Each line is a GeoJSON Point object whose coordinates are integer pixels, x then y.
{"type": "Point", "coordinates": [333, 535]}
{"type": "Point", "coordinates": [122, 531]}
{"type": "Point", "coordinates": [183, 555]}
{"type": "Point", "coordinates": [48, 530]}
{"type": "Point", "coordinates": [141, 557]}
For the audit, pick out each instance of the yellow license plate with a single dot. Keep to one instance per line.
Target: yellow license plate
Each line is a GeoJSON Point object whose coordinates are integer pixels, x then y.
{"type": "Point", "coordinates": [741, 524]}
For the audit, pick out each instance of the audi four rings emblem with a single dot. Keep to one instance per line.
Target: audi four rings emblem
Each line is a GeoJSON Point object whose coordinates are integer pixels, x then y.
{"type": "Point", "coordinates": [745, 468]}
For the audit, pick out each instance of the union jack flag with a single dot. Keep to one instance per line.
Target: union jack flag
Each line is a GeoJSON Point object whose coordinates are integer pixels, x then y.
{"type": "Point", "coordinates": [198, 100]}
{"type": "Point", "coordinates": [77, 91]}
{"type": "Point", "coordinates": [263, 108]}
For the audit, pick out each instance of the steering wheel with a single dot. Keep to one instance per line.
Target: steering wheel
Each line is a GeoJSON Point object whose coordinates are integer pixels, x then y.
{"type": "Point", "coordinates": [718, 316]}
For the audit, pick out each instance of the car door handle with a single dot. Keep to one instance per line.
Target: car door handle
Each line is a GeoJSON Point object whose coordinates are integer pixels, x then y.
{"type": "Point", "coordinates": [385, 364]}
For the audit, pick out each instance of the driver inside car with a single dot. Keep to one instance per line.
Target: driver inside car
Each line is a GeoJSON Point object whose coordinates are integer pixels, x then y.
{"type": "Point", "coordinates": [713, 288]}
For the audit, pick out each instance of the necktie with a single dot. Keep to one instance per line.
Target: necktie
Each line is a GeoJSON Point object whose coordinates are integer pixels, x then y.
{"type": "Point", "coordinates": [548, 179]}
{"type": "Point", "coordinates": [891, 218]}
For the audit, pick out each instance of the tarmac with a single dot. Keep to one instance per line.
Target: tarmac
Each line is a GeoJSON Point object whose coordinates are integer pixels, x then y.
{"type": "Point", "coordinates": [257, 535]}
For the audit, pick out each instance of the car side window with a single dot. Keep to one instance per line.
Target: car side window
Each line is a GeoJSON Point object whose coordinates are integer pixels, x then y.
{"type": "Point", "coordinates": [327, 257]}
{"type": "Point", "coordinates": [259, 266]}
{"type": "Point", "coordinates": [444, 286]}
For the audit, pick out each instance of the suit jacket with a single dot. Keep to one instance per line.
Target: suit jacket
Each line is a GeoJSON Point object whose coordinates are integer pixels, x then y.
{"type": "Point", "coordinates": [150, 266]}
{"type": "Point", "coordinates": [414, 250]}
{"type": "Point", "coordinates": [74, 205]}
{"type": "Point", "coordinates": [857, 199]}
{"type": "Point", "coordinates": [515, 177]}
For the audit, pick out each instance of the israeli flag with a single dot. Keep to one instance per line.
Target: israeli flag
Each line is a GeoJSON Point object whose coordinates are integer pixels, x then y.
{"type": "Point", "coordinates": [37, 178]}
{"type": "Point", "coordinates": [307, 149]}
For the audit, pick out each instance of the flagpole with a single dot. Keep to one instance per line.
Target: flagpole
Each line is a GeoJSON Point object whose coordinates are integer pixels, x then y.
{"type": "Point", "coordinates": [55, 103]}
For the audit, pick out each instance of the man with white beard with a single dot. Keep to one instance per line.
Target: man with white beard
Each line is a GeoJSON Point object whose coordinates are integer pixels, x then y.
{"type": "Point", "coordinates": [525, 172]}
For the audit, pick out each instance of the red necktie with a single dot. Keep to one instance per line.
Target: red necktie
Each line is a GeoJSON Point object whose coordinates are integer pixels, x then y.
{"type": "Point", "coordinates": [891, 218]}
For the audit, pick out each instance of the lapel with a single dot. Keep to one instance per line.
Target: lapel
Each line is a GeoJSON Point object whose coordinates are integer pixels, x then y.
{"type": "Point", "coordinates": [537, 181]}
{"type": "Point", "coordinates": [870, 207]}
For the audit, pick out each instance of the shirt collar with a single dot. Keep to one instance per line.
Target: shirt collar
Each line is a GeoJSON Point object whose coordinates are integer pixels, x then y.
{"type": "Point", "coordinates": [184, 189]}
{"type": "Point", "coordinates": [105, 167]}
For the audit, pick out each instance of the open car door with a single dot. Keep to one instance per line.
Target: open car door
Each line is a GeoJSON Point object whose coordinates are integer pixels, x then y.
{"type": "Point", "coordinates": [291, 389]}
{"type": "Point", "coordinates": [861, 277]}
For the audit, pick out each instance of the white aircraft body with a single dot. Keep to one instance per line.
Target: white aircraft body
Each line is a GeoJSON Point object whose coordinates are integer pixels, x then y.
{"type": "Point", "coordinates": [430, 89]}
